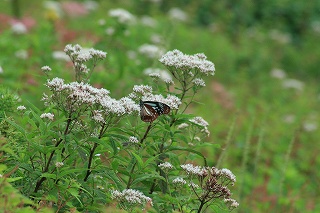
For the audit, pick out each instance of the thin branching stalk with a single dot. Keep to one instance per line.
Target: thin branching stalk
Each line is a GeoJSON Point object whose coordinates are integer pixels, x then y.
{"type": "Point", "coordinates": [134, 165]}
{"type": "Point", "coordinates": [102, 131]}
{"type": "Point", "coordinates": [245, 158]}
{"type": "Point", "coordinates": [46, 169]}
{"type": "Point", "coordinates": [227, 143]}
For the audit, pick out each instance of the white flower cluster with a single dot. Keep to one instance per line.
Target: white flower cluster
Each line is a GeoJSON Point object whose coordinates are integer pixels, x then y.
{"type": "Point", "coordinates": [165, 166]}
{"type": "Point", "coordinates": [179, 181]}
{"type": "Point", "coordinates": [231, 202]}
{"type": "Point", "coordinates": [97, 116]}
{"type": "Point", "coordinates": [122, 15]}
{"type": "Point", "coordinates": [74, 95]}
{"type": "Point", "coordinates": [78, 54]}
{"type": "Point", "coordinates": [21, 108]}
{"type": "Point", "coordinates": [194, 170]}
{"type": "Point", "coordinates": [178, 60]}
{"type": "Point", "coordinates": [59, 164]}
{"type": "Point", "coordinates": [131, 196]}
{"type": "Point", "coordinates": [150, 50]}
{"type": "Point", "coordinates": [133, 139]}
{"type": "Point", "coordinates": [46, 69]}
{"type": "Point", "coordinates": [183, 125]}
{"type": "Point", "coordinates": [141, 90]}
{"type": "Point", "coordinates": [199, 82]}
{"type": "Point", "coordinates": [227, 174]}
{"type": "Point", "coordinates": [199, 121]}
{"type": "Point", "coordinates": [47, 115]}
{"type": "Point", "coordinates": [158, 73]}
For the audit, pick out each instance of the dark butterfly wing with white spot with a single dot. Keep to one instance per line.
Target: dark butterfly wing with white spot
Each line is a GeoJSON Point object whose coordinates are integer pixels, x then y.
{"type": "Point", "coordinates": [150, 110]}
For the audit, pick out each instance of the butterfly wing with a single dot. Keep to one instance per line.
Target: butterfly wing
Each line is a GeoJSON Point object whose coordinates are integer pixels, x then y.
{"type": "Point", "coordinates": [147, 112]}
{"type": "Point", "coordinates": [150, 110]}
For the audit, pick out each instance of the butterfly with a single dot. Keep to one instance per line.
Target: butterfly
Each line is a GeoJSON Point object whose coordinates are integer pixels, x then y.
{"type": "Point", "coordinates": [151, 110]}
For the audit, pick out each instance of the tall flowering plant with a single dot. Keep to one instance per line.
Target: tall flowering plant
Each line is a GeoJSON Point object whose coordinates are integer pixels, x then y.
{"type": "Point", "coordinates": [86, 149]}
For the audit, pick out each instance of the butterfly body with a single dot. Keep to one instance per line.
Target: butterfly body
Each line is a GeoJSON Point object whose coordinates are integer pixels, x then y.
{"type": "Point", "coordinates": [151, 110]}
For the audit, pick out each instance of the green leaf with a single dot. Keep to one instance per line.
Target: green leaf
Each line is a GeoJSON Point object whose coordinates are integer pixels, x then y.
{"type": "Point", "coordinates": [139, 160]}
{"type": "Point", "coordinates": [151, 177]}
{"type": "Point", "coordinates": [189, 150]}
{"type": "Point", "coordinates": [48, 175]}
{"type": "Point", "coordinates": [19, 128]}
{"type": "Point", "coordinates": [67, 171]}
{"type": "Point", "coordinates": [9, 180]}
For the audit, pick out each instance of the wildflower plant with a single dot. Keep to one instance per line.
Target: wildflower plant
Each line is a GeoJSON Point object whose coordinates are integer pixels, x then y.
{"type": "Point", "coordinates": [86, 149]}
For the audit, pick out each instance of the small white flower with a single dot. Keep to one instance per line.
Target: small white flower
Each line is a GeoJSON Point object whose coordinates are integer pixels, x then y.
{"type": "Point", "coordinates": [1, 70]}
{"type": "Point", "coordinates": [231, 202]}
{"type": "Point", "coordinates": [59, 164]}
{"type": "Point", "coordinates": [193, 185]}
{"type": "Point", "coordinates": [97, 116]}
{"type": "Point", "coordinates": [150, 50]}
{"type": "Point", "coordinates": [109, 31]}
{"type": "Point", "coordinates": [60, 55]}
{"type": "Point", "coordinates": [194, 170]}
{"type": "Point", "coordinates": [18, 28]}
{"type": "Point", "coordinates": [47, 115]}
{"type": "Point", "coordinates": [179, 181]}
{"type": "Point", "coordinates": [183, 125]}
{"type": "Point", "coordinates": [122, 15]}
{"type": "Point", "coordinates": [278, 73]}
{"type": "Point", "coordinates": [293, 83]}
{"type": "Point", "coordinates": [133, 139]}
{"type": "Point", "coordinates": [199, 82]}
{"type": "Point", "coordinates": [200, 121]}
{"type": "Point", "coordinates": [228, 174]}
{"type": "Point", "coordinates": [21, 108]}
{"type": "Point", "coordinates": [165, 166]}
{"type": "Point", "coordinates": [22, 54]}
{"type": "Point", "coordinates": [131, 196]}
{"type": "Point", "coordinates": [176, 59]}
{"type": "Point", "coordinates": [148, 21]}
{"type": "Point", "coordinates": [142, 89]}
{"type": "Point", "coordinates": [160, 73]}
{"type": "Point", "coordinates": [197, 138]}
{"type": "Point", "coordinates": [177, 14]}
{"type": "Point", "coordinates": [46, 69]}
{"type": "Point", "coordinates": [310, 126]}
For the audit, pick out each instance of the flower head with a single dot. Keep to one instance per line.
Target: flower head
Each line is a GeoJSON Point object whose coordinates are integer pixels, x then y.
{"type": "Point", "coordinates": [21, 108]}
{"type": "Point", "coordinates": [47, 115]}
{"type": "Point", "coordinates": [166, 166]}
{"type": "Point", "coordinates": [131, 197]}
{"type": "Point", "coordinates": [178, 60]}
{"type": "Point", "coordinates": [133, 139]}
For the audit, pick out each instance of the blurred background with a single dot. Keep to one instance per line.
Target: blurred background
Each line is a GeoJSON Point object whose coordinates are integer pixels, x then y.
{"type": "Point", "coordinates": [262, 104]}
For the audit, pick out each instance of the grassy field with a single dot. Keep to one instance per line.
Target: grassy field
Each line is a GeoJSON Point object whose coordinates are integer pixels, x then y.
{"type": "Point", "coordinates": [262, 104]}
